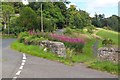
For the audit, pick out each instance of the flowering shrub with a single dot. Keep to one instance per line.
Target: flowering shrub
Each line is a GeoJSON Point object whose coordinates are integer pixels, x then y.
{"type": "Point", "coordinates": [75, 43]}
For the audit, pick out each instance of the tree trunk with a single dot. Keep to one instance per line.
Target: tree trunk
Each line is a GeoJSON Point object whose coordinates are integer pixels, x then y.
{"type": "Point", "coordinates": [5, 25]}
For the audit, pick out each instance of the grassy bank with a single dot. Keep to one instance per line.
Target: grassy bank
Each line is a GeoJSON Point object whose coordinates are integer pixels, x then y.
{"type": "Point", "coordinates": [109, 34]}
{"type": "Point", "coordinates": [104, 66]}
{"type": "Point", "coordinates": [87, 53]}
{"type": "Point", "coordinates": [37, 51]}
{"type": "Point", "coordinates": [85, 57]}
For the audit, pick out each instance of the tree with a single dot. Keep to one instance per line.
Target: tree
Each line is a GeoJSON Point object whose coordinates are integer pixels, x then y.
{"type": "Point", "coordinates": [52, 12]}
{"type": "Point", "coordinates": [99, 20]}
{"type": "Point", "coordinates": [77, 18]}
{"type": "Point", "coordinates": [113, 22]}
{"type": "Point", "coordinates": [17, 5]}
{"type": "Point", "coordinates": [28, 18]}
{"type": "Point", "coordinates": [7, 12]}
{"type": "Point", "coordinates": [86, 21]}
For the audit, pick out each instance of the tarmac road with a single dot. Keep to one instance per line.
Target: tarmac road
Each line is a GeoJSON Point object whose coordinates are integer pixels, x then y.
{"type": "Point", "coordinates": [35, 67]}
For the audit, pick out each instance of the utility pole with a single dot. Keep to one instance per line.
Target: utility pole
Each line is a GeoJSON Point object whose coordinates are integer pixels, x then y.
{"type": "Point", "coordinates": [9, 25]}
{"type": "Point", "coordinates": [1, 14]}
{"type": "Point", "coordinates": [41, 19]}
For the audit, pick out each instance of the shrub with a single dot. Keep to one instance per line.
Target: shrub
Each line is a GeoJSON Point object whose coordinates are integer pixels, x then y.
{"type": "Point", "coordinates": [33, 40]}
{"type": "Point", "coordinates": [22, 35]}
{"type": "Point", "coordinates": [28, 40]}
{"type": "Point", "coordinates": [107, 42]}
{"type": "Point", "coordinates": [36, 41]}
{"type": "Point", "coordinates": [107, 28]}
{"type": "Point", "coordinates": [30, 37]}
{"type": "Point", "coordinates": [90, 29]}
{"type": "Point", "coordinates": [68, 31]}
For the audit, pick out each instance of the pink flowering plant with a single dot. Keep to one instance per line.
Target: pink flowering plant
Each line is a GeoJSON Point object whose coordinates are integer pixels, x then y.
{"type": "Point", "coordinates": [76, 43]}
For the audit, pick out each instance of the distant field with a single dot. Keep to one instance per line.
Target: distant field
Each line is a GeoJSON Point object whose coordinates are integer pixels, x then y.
{"type": "Point", "coordinates": [109, 34]}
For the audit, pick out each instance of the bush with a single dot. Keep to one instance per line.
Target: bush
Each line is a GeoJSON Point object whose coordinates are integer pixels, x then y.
{"type": "Point", "coordinates": [28, 39]}
{"type": "Point", "coordinates": [90, 29]}
{"type": "Point", "coordinates": [107, 42]}
{"type": "Point", "coordinates": [36, 41]}
{"type": "Point", "coordinates": [107, 28]}
{"type": "Point", "coordinates": [22, 36]}
{"type": "Point", "coordinates": [68, 31]}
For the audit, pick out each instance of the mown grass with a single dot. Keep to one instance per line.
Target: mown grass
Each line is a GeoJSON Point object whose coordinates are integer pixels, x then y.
{"type": "Point", "coordinates": [115, 36]}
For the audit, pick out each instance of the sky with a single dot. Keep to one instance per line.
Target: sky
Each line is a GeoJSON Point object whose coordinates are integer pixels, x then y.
{"type": "Point", "coordinates": [107, 7]}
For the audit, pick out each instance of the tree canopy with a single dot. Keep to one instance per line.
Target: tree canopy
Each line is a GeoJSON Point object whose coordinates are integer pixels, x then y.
{"type": "Point", "coordinates": [55, 15]}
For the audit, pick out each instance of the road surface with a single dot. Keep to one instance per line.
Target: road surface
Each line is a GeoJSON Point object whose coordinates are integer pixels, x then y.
{"type": "Point", "coordinates": [36, 67]}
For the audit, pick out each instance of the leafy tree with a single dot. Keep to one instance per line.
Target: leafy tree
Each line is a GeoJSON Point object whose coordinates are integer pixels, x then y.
{"type": "Point", "coordinates": [16, 5]}
{"type": "Point", "coordinates": [78, 19]}
{"type": "Point", "coordinates": [113, 22]}
{"type": "Point", "coordinates": [99, 20]}
{"type": "Point", "coordinates": [52, 12]}
{"type": "Point", "coordinates": [7, 12]}
{"type": "Point", "coordinates": [28, 18]}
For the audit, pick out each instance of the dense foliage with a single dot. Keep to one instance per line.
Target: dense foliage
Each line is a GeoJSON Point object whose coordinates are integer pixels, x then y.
{"type": "Point", "coordinates": [107, 23]}
{"type": "Point", "coordinates": [55, 15]}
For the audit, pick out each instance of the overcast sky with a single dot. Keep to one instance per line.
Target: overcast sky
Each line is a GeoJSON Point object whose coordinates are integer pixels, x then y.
{"type": "Point", "coordinates": [108, 7]}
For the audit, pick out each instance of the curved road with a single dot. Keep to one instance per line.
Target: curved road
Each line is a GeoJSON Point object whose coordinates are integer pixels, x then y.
{"type": "Point", "coordinates": [41, 68]}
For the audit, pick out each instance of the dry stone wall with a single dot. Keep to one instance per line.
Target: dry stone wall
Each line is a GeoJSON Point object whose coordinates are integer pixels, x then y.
{"type": "Point", "coordinates": [109, 54]}
{"type": "Point", "coordinates": [55, 47]}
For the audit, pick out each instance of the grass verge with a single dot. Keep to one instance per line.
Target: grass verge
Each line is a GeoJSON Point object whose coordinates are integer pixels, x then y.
{"type": "Point", "coordinates": [37, 51]}
{"type": "Point", "coordinates": [104, 66]}
{"type": "Point", "coordinates": [91, 61]}
{"type": "Point", "coordinates": [87, 56]}
{"type": "Point", "coordinates": [5, 36]}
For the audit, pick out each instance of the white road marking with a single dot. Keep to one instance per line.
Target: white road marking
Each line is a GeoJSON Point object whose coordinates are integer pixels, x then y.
{"type": "Point", "coordinates": [24, 57]}
{"type": "Point", "coordinates": [18, 73]}
{"type": "Point", "coordinates": [14, 78]}
{"type": "Point", "coordinates": [21, 67]}
{"type": "Point", "coordinates": [24, 61]}
{"type": "Point", "coordinates": [22, 64]}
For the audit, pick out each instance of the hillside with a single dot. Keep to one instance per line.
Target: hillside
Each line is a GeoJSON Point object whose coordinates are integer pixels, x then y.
{"type": "Point", "coordinates": [109, 34]}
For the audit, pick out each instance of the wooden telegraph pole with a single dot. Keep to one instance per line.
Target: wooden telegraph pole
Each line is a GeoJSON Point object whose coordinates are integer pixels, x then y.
{"type": "Point", "coordinates": [41, 19]}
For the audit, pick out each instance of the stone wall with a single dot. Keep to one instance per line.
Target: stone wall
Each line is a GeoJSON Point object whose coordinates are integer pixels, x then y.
{"type": "Point", "coordinates": [109, 54]}
{"type": "Point", "coordinates": [55, 47]}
